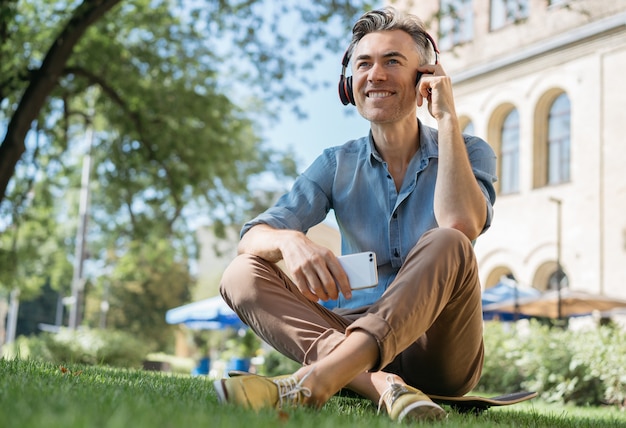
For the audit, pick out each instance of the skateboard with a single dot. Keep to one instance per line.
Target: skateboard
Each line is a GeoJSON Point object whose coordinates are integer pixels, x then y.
{"type": "Point", "coordinates": [465, 404]}
{"type": "Point", "coordinates": [477, 404]}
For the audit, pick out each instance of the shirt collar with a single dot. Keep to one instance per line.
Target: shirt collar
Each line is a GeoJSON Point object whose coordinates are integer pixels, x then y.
{"type": "Point", "coordinates": [428, 144]}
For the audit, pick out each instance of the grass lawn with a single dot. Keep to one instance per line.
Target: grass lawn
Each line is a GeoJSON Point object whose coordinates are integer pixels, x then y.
{"type": "Point", "coordinates": [34, 394]}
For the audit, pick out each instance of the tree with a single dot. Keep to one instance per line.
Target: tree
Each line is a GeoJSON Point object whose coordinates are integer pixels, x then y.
{"type": "Point", "coordinates": [145, 282]}
{"type": "Point", "coordinates": [41, 81]}
{"type": "Point", "coordinates": [152, 82]}
{"type": "Point", "coordinates": [264, 58]}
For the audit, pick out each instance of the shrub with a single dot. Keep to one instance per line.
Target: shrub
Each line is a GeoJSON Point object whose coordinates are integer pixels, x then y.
{"type": "Point", "coordinates": [502, 370]}
{"type": "Point", "coordinates": [85, 346]}
{"type": "Point", "coordinates": [578, 367]}
{"type": "Point", "coordinates": [277, 364]}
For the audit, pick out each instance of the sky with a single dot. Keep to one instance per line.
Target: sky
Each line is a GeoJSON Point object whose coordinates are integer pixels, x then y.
{"type": "Point", "coordinates": [329, 122]}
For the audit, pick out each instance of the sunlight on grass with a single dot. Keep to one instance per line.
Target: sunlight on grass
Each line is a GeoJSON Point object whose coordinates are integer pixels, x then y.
{"type": "Point", "coordinates": [43, 395]}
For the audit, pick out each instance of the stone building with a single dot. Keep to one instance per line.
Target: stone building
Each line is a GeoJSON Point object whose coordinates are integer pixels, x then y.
{"type": "Point", "coordinates": [543, 82]}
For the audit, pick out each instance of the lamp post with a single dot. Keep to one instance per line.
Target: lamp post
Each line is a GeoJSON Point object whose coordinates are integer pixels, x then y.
{"type": "Point", "coordinates": [78, 279]}
{"type": "Point", "coordinates": [559, 271]}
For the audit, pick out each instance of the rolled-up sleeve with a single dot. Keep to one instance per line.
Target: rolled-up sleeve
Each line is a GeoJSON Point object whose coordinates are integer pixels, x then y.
{"type": "Point", "coordinates": [306, 204]}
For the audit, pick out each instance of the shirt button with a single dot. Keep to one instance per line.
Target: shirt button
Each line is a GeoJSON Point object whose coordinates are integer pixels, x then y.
{"type": "Point", "coordinates": [389, 176]}
{"type": "Point", "coordinates": [396, 253]}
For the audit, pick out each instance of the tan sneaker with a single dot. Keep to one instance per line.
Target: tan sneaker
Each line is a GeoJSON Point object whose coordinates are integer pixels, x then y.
{"type": "Point", "coordinates": [404, 401]}
{"type": "Point", "coordinates": [258, 392]}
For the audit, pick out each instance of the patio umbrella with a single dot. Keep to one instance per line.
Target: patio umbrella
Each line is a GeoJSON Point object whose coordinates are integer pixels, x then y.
{"type": "Point", "coordinates": [505, 291]}
{"type": "Point", "coordinates": [207, 314]}
{"type": "Point", "coordinates": [573, 303]}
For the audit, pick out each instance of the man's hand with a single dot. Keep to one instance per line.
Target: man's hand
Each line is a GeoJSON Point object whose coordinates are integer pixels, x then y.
{"type": "Point", "coordinates": [436, 87]}
{"type": "Point", "coordinates": [314, 269]}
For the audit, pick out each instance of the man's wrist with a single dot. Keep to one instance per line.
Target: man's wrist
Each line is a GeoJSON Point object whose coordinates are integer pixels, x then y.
{"type": "Point", "coordinates": [285, 238]}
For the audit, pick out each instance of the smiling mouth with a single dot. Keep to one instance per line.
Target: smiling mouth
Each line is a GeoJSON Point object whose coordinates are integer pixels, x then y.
{"type": "Point", "coordinates": [379, 94]}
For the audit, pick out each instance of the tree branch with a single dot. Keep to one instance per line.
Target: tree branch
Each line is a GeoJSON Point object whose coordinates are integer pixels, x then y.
{"type": "Point", "coordinates": [42, 84]}
{"type": "Point", "coordinates": [137, 121]}
{"type": "Point", "coordinates": [111, 93]}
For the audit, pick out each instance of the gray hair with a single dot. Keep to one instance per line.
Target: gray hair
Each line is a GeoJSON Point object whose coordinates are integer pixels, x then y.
{"type": "Point", "coordinates": [387, 19]}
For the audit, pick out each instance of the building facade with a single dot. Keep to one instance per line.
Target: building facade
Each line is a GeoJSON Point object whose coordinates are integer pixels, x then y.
{"type": "Point", "coordinates": [543, 82]}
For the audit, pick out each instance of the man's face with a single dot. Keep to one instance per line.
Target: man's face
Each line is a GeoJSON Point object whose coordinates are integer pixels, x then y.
{"type": "Point", "coordinates": [384, 68]}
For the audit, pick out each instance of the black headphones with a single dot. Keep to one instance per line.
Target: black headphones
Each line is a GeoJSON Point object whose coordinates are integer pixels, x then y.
{"type": "Point", "coordinates": [345, 83]}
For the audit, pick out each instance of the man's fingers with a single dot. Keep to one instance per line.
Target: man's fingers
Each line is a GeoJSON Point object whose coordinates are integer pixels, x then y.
{"type": "Point", "coordinates": [318, 282]}
{"type": "Point", "coordinates": [317, 273]}
{"type": "Point", "coordinates": [340, 278]}
{"type": "Point", "coordinates": [301, 281]}
{"type": "Point", "coordinates": [329, 283]}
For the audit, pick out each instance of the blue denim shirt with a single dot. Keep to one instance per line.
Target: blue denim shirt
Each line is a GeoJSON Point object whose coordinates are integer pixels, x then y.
{"type": "Point", "coordinates": [353, 180]}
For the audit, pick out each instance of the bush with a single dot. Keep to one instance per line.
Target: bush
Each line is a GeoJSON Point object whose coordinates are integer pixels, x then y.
{"type": "Point", "coordinates": [85, 346]}
{"type": "Point", "coordinates": [502, 370]}
{"type": "Point", "coordinates": [277, 364]}
{"type": "Point", "coordinates": [582, 367]}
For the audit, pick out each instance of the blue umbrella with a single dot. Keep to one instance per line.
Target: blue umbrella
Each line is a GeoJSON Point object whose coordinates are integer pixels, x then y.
{"type": "Point", "coordinates": [506, 290]}
{"type": "Point", "coordinates": [207, 314]}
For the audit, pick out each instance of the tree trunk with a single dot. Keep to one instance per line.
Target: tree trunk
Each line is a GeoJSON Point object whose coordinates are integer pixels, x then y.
{"type": "Point", "coordinates": [42, 83]}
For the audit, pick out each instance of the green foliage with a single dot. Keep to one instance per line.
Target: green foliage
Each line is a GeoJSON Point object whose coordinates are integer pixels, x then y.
{"type": "Point", "coordinates": [9, 34]}
{"type": "Point", "coordinates": [146, 281]}
{"type": "Point", "coordinates": [503, 356]}
{"type": "Point", "coordinates": [34, 251]}
{"type": "Point", "coordinates": [277, 364]}
{"type": "Point", "coordinates": [578, 367]}
{"type": "Point", "coordinates": [85, 346]}
{"type": "Point", "coordinates": [241, 344]}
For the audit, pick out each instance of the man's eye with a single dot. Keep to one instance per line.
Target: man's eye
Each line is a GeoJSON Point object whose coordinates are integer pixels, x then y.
{"type": "Point", "coordinates": [362, 64]}
{"type": "Point", "coordinates": [393, 61]}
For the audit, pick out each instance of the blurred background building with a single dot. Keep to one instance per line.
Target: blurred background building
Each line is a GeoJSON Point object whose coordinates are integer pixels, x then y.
{"type": "Point", "coordinates": [542, 81]}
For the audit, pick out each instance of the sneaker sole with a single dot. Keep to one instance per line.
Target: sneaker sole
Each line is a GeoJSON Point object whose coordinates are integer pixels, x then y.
{"type": "Point", "coordinates": [421, 411]}
{"type": "Point", "coordinates": [220, 390]}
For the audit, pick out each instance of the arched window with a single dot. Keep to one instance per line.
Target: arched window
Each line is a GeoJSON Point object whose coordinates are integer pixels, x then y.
{"type": "Point", "coordinates": [509, 154]}
{"type": "Point", "coordinates": [559, 140]}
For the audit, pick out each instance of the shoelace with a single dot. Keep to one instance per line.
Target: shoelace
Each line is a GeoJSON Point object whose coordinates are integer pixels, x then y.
{"type": "Point", "coordinates": [391, 394]}
{"type": "Point", "coordinates": [290, 388]}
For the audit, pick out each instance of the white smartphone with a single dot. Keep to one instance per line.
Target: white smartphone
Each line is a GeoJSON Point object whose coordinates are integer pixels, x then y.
{"type": "Point", "coordinates": [361, 269]}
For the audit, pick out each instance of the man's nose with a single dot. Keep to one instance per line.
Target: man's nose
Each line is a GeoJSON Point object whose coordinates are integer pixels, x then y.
{"type": "Point", "coordinates": [376, 73]}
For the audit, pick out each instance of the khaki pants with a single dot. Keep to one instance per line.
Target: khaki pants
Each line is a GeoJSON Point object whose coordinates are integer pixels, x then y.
{"type": "Point", "coordinates": [428, 323]}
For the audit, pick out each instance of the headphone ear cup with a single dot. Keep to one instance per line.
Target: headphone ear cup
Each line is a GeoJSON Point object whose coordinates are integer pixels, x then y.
{"type": "Point", "coordinates": [345, 90]}
{"type": "Point", "coordinates": [344, 95]}
{"type": "Point", "coordinates": [349, 90]}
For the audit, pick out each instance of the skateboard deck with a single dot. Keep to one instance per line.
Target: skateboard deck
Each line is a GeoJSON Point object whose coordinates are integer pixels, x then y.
{"type": "Point", "coordinates": [469, 403]}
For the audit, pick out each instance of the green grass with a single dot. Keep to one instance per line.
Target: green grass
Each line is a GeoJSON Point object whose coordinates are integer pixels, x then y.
{"type": "Point", "coordinates": [34, 394]}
